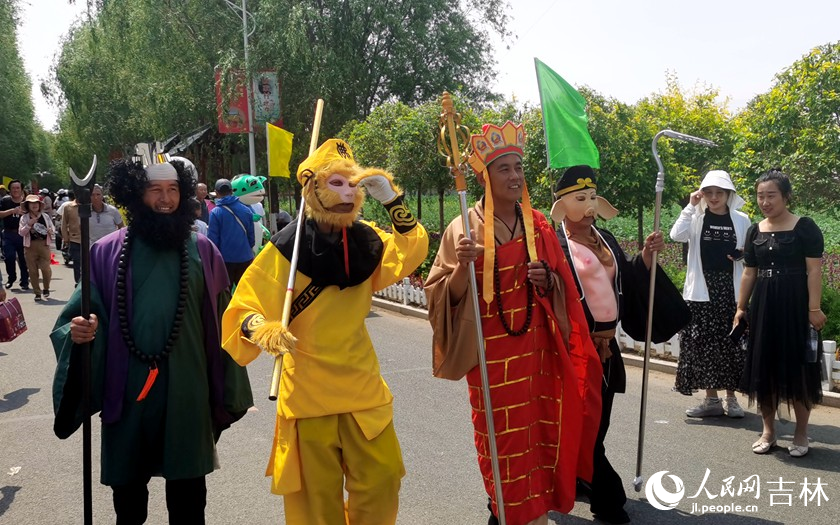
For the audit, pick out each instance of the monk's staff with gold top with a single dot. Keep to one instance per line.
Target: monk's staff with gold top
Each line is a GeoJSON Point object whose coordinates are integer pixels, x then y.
{"type": "Point", "coordinates": [290, 286]}
{"type": "Point", "coordinates": [451, 130]}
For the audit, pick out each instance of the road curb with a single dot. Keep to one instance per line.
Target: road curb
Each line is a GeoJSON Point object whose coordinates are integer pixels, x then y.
{"type": "Point", "coordinates": [830, 399]}
{"type": "Point", "coordinates": [400, 308]}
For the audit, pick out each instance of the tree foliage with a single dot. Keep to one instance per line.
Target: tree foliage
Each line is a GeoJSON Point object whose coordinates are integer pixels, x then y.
{"type": "Point", "coordinates": [796, 126]}
{"type": "Point", "coordinates": [138, 70]}
{"type": "Point", "coordinates": [143, 69]}
{"type": "Point", "coordinates": [624, 136]}
{"type": "Point", "coordinates": [20, 155]}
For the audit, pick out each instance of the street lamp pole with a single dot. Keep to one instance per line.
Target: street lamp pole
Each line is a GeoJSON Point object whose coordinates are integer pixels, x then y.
{"type": "Point", "coordinates": [244, 14]}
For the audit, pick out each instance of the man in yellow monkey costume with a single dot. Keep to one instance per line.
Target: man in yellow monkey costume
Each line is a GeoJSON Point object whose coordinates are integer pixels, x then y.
{"type": "Point", "coordinates": [334, 428]}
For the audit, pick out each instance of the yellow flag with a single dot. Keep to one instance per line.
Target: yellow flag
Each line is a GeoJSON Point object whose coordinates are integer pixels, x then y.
{"type": "Point", "coordinates": [279, 150]}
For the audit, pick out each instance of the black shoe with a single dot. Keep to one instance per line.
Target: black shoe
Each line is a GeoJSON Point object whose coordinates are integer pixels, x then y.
{"type": "Point", "coordinates": [616, 517]}
{"type": "Point", "coordinates": [9, 284]}
{"type": "Point", "coordinates": [493, 520]}
{"type": "Point", "coordinates": [24, 286]}
{"type": "Point", "coordinates": [584, 490]}
{"type": "Point", "coordinates": [46, 293]}
{"type": "Point", "coordinates": [37, 297]}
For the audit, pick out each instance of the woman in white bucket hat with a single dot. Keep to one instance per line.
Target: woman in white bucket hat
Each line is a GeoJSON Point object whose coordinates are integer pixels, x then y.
{"type": "Point", "coordinates": [709, 359]}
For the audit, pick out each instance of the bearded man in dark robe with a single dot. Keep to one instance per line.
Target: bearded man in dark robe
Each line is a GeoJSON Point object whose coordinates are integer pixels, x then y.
{"type": "Point", "coordinates": [164, 387]}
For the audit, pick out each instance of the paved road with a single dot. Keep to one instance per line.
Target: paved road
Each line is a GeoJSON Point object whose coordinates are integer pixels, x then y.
{"type": "Point", "coordinates": [40, 478]}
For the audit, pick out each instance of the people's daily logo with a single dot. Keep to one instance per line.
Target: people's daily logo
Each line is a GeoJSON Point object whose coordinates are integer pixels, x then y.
{"type": "Point", "coordinates": [729, 497]}
{"type": "Point", "coordinates": [660, 497]}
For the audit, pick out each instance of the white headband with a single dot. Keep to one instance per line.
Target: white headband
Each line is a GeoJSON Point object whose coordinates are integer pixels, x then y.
{"type": "Point", "coordinates": [164, 171]}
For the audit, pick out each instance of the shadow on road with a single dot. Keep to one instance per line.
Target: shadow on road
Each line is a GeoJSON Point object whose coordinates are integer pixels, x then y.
{"type": "Point", "coordinates": [823, 433]}
{"type": "Point", "coordinates": [51, 300]}
{"type": "Point", "coordinates": [17, 399]}
{"type": "Point", "coordinates": [565, 519]}
{"type": "Point", "coordinates": [7, 496]}
{"type": "Point", "coordinates": [750, 421]}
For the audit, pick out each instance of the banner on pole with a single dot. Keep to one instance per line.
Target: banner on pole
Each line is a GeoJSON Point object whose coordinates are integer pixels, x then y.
{"type": "Point", "coordinates": [279, 146]}
{"type": "Point", "coordinates": [567, 139]}
{"type": "Point", "coordinates": [265, 89]}
{"type": "Point", "coordinates": [232, 105]}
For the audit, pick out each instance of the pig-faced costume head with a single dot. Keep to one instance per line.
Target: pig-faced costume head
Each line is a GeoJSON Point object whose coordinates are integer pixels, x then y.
{"type": "Point", "coordinates": [577, 198]}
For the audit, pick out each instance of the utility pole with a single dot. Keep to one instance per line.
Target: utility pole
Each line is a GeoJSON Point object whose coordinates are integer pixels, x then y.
{"type": "Point", "coordinates": [243, 13]}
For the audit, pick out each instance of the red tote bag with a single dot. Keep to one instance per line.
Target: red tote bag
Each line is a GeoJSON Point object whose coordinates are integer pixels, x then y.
{"type": "Point", "coordinates": [12, 323]}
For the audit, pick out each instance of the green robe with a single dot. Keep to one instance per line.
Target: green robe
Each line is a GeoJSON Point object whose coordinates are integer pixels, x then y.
{"type": "Point", "coordinates": [170, 433]}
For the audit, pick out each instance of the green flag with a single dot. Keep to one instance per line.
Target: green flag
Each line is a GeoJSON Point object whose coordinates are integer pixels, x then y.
{"type": "Point", "coordinates": [567, 140]}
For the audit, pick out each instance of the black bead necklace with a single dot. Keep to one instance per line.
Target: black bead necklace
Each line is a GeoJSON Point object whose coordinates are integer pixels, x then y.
{"type": "Point", "coordinates": [122, 309]}
{"type": "Point", "coordinates": [529, 288]}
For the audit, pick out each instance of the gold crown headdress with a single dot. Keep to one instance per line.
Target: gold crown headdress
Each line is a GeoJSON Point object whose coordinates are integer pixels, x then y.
{"type": "Point", "coordinates": [492, 143]}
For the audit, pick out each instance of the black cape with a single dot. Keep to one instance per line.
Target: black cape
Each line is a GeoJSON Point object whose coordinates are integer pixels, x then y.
{"type": "Point", "coordinates": [670, 313]}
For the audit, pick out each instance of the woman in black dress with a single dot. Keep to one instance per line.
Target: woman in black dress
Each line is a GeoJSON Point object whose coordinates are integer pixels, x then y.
{"type": "Point", "coordinates": [784, 283]}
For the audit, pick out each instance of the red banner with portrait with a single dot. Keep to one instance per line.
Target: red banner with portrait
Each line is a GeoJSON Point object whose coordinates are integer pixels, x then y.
{"type": "Point", "coordinates": [232, 102]}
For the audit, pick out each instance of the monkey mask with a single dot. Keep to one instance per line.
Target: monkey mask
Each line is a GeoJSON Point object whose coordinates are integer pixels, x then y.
{"type": "Point", "coordinates": [329, 178]}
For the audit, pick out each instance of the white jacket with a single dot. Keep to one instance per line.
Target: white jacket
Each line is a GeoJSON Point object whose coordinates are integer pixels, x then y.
{"type": "Point", "coordinates": [687, 228]}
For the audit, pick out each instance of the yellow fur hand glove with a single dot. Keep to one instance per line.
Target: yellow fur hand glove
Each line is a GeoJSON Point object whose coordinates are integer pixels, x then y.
{"type": "Point", "coordinates": [273, 338]}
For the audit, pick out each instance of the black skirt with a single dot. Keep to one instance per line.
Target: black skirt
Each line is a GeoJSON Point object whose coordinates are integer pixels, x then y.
{"type": "Point", "coordinates": [708, 357]}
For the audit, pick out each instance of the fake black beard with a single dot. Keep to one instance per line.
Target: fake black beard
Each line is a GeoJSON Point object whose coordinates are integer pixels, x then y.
{"type": "Point", "coordinates": [163, 231]}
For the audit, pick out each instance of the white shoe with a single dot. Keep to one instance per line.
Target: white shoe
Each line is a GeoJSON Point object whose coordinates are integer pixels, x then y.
{"type": "Point", "coordinates": [731, 408]}
{"type": "Point", "coordinates": [711, 406]}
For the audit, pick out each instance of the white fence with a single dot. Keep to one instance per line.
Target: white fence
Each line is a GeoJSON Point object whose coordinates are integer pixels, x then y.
{"type": "Point", "coordinates": [404, 293]}
{"type": "Point", "coordinates": [670, 347]}
{"type": "Point", "coordinates": [407, 294]}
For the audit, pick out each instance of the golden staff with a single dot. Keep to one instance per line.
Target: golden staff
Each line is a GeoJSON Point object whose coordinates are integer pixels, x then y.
{"type": "Point", "coordinates": [451, 130]}
{"type": "Point", "coordinates": [290, 287]}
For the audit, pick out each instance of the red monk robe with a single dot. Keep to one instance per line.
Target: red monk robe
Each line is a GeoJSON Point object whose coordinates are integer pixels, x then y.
{"type": "Point", "coordinates": [545, 384]}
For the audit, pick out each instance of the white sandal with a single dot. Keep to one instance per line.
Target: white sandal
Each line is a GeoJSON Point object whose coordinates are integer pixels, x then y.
{"type": "Point", "coordinates": [763, 447]}
{"type": "Point", "coordinates": [797, 451]}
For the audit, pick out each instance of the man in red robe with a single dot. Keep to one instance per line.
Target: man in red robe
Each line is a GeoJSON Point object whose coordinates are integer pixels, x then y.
{"type": "Point", "coordinates": [544, 371]}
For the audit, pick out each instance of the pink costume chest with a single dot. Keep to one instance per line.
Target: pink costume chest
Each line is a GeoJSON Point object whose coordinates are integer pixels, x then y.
{"type": "Point", "coordinates": [597, 282]}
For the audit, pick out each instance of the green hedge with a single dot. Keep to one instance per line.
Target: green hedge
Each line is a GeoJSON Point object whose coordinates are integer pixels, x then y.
{"type": "Point", "coordinates": [624, 227]}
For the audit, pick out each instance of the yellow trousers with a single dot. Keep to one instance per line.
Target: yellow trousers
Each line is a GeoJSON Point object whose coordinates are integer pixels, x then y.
{"type": "Point", "coordinates": [336, 456]}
